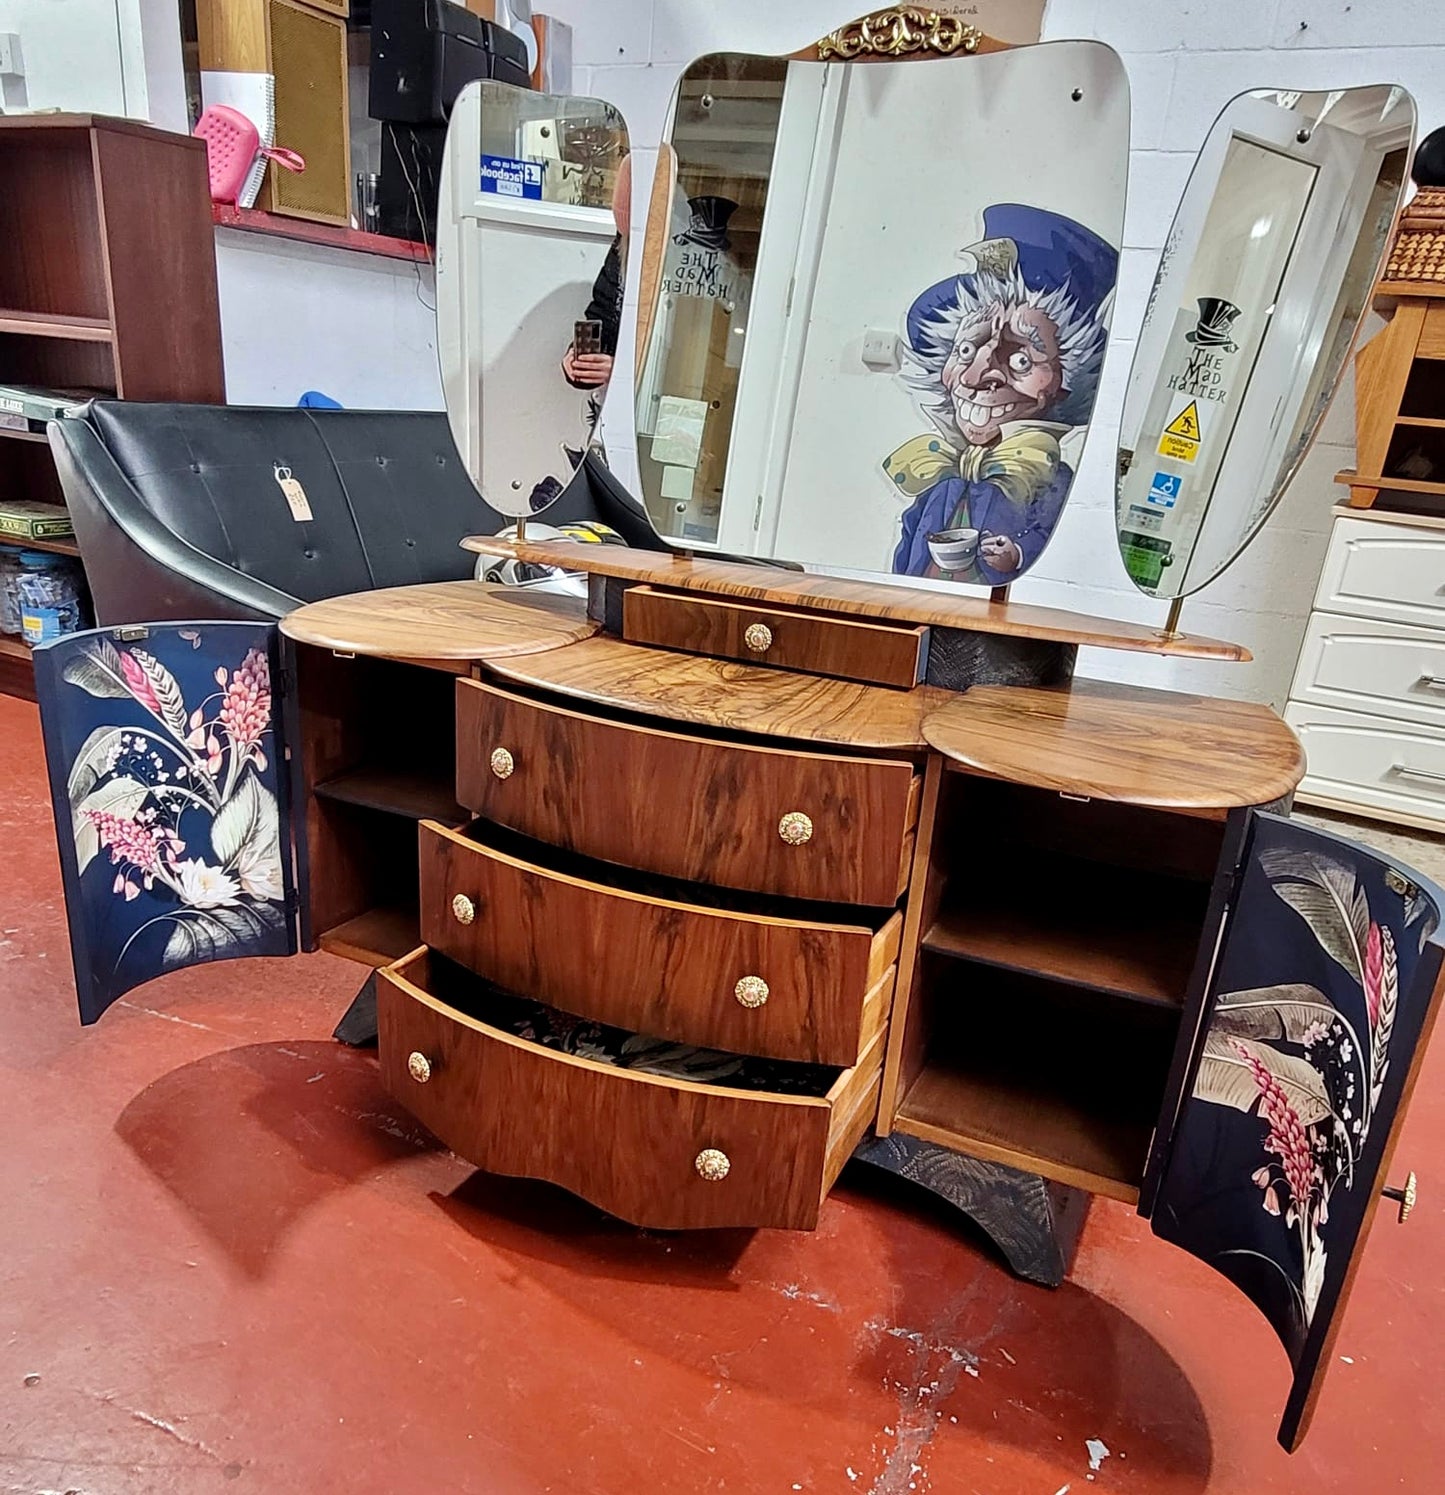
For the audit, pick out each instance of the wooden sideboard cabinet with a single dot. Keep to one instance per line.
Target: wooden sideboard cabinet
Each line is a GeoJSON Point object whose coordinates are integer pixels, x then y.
{"type": "Point", "coordinates": [667, 917]}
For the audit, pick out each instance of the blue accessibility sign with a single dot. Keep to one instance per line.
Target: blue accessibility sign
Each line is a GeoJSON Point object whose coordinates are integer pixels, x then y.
{"type": "Point", "coordinates": [1165, 489]}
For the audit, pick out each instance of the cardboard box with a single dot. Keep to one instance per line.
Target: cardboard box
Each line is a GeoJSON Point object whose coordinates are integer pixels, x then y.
{"type": "Point", "coordinates": [23, 519]}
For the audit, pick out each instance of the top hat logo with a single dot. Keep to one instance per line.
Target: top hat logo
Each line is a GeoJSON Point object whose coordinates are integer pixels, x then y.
{"type": "Point", "coordinates": [1216, 320]}
{"type": "Point", "coordinates": [708, 228]}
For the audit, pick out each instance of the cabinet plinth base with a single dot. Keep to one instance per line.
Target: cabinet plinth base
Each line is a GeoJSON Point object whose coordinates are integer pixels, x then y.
{"type": "Point", "coordinates": [1036, 1224]}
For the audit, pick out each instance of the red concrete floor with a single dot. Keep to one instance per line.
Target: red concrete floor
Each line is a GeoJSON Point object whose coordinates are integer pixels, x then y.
{"type": "Point", "coordinates": [229, 1263]}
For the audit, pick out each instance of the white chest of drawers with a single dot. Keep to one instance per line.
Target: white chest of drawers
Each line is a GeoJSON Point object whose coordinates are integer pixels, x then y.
{"type": "Point", "coordinates": [1368, 698]}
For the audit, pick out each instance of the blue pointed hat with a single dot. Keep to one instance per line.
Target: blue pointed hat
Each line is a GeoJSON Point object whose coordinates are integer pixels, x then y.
{"type": "Point", "coordinates": [1051, 250]}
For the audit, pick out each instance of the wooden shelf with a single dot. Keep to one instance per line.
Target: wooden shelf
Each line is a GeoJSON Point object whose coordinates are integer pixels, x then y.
{"type": "Point", "coordinates": [1401, 485]}
{"type": "Point", "coordinates": [55, 546]}
{"type": "Point", "coordinates": [375, 938]}
{"type": "Point", "coordinates": [301, 230]}
{"type": "Point", "coordinates": [12, 647]}
{"type": "Point", "coordinates": [72, 329]}
{"type": "Point", "coordinates": [1007, 1119]}
{"type": "Point", "coordinates": [1426, 422]}
{"type": "Point", "coordinates": [24, 435]}
{"type": "Point", "coordinates": [1125, 934]}
{"type": "Point", "coordinates": [412, 794]}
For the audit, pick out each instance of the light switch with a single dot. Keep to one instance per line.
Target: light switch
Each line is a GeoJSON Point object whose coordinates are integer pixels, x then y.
{"type": "Point", "coordinates": [880, 349]}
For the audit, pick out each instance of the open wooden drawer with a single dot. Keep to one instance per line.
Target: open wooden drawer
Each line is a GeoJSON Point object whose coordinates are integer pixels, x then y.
{"type": "Point", "coordinates": [740, 971]}
{"type": "Point", "coordinates": [657, 1151]}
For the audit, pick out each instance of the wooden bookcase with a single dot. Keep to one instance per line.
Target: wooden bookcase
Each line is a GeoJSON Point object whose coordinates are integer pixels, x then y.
{"type": "Point", "coordinates": [107, 285]}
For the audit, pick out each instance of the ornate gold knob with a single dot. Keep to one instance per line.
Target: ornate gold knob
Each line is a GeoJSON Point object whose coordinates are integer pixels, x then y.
{"type": "Point", "coordinates": [751, 991]}
{"type": "Point", "coordinates": [502, 764]}
{"type": "Point", "coordinates": [758, 638]}
{"type": "Point", "coordinates": [1405, 1197]}
{"type": "Point", "coordinates": [418, 1066]}
{"type": "Point", "coordinates": [795, 828]}
{"type": "Point", "coordinates": [463, 909]}
{"type": "Point", "coordinates": [712, 1164]}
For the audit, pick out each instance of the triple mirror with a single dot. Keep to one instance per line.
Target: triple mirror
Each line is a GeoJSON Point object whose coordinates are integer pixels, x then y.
{"type": "Point", "coordinates": [876, 298]}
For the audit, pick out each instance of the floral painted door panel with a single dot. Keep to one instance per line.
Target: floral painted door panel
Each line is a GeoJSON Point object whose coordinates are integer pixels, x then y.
{"type": "Point", "coordinates": [167, 775]}
{"type": "Point", "coordinates": [1324, 992]}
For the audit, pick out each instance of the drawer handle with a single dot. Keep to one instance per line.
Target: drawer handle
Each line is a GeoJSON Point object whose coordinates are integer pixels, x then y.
{"type": "Point", "coordinates": [464, 911]}
{"type": "Point", "coordinates": [795, 828]}
{"type": "Point", "coordinates": [502, 763]}
{"type": "Point", "coordinates": [758, 638]}
{"type": "Point", "coordinates": [418, 1066]}
{"type": "Point", "coordinates": [1405, 1197]}
{"type": "Point", "coordinates": [712, 1164]}
{"type": "Point", "coordinates": [751, 991]}
{"type": "Point", "coordinates": [1406, 772]}
{"type": "Point", "coordinates": [1432, 682]}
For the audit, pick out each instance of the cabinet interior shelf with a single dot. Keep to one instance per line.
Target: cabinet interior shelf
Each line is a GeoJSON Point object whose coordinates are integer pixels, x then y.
{"type": "Point", "coordinates": [24, 435]}
{"type": "Point", "coordinates": [1426, 422]}
{"type": "Point", "coordinates": [377, 937]}
{"type": "Point", "coordinates": [14, 648]}
{"type": "Point", "coordinates": [413, 794]}
{"type": "Point", "coordinates": [72, 329]}
{"type": "Point", "coordinates": [1006, 1118]}
{"type": "Point", "coordinates": [1124, 933]}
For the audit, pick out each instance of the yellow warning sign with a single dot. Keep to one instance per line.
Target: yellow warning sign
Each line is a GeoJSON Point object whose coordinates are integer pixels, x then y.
{"type": "Point", "coordinates": [1182, 435]}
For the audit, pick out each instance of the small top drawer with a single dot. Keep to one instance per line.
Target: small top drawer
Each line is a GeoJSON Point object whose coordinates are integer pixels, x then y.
{"type": "Point", "coordinates": [1385, 570]}
{"type": "Point", "coordinates": [877, 653]}
{"type": "Point", "coordinates": [805, 825]}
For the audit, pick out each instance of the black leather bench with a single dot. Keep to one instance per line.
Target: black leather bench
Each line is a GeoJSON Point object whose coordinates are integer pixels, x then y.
{"type": "Point", "coordinates": [181, 512]}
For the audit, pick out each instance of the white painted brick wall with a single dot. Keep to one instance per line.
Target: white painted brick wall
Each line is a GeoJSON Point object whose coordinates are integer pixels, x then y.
{"type": "Point", "coordinates": [1185, 59]}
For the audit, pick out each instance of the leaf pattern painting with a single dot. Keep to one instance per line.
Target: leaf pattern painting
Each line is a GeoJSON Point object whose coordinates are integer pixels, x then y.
{"type": "Point", "coordinates": [172, 799]}
{"type": "Point", "coordinates": [1323, 984]}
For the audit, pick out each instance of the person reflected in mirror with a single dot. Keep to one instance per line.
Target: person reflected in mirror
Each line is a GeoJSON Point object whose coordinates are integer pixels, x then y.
{"type": "Point", "coordinates": [592, 370]}
{"type": "Point", "coordinates": [1004, 361]}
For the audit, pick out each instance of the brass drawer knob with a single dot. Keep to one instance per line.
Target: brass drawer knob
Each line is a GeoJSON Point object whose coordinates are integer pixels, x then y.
{"type": "Point", "coordinates": [418, 1066]}
{"type": "Point", "coordinates": [464, 911]}
{"type": "Point", "coordinates": [758, 638]}
{"type": "Point", "coordinates": [712, 1164]}
{"type": "Point", "coordinates": [795, 828]}
{"type": "Point", "coordinates": [1405, 1197]}
{"type": "Point", "coordinates": [751, 991]}
{"type": "Point", "coordinates": [501, 762]}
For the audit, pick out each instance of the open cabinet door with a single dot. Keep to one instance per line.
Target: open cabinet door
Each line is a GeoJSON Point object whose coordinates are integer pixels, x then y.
{"type": "Point", "coordinates": [1322, 999]}
{"type": "Point", "coordinates": [170, 794]}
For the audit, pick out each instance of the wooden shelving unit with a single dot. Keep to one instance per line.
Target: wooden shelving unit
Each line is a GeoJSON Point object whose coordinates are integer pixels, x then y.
{"type": "Point", "coordinates": [377, 937]}
{"type": "Point", "coordinates": [107, 286]}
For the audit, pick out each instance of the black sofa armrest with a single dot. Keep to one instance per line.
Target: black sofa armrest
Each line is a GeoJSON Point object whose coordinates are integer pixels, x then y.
{"type": "Point", "coordinates": [139, 571]}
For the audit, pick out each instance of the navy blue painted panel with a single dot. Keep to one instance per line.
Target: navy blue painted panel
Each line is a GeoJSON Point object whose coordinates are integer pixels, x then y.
{"type": "Point", "coordinates": [1323, 988]}
{"type": "Point", "coordinates": [171, 801]}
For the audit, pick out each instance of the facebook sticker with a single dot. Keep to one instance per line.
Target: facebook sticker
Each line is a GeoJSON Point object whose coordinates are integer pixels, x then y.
{"type": "Point", "coordinates": [510, 177]}
{"type": "Point", "coordinates": [1165, 489]}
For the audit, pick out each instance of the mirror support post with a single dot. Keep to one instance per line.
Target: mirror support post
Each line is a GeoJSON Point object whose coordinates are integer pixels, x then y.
{"type": "Point", "coordinates": [1171, 623]}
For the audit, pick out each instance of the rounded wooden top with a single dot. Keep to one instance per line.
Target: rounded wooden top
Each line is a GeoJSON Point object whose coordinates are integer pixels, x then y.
{"type": "Point", "coordinates": [441, 620]}
{"type": "Point", "coordinates": [738, 697]}
{"type": "Point", "coordinates": [1122, 742]}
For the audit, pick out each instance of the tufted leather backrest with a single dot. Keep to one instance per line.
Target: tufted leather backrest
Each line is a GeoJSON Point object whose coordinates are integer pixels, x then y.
{"type": "Point", "coordinates": [387, 494]}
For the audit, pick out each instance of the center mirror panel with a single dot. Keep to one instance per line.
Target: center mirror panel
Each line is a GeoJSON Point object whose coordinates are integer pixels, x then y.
{"type": "Point", "coordinates": [883, 297]}
{"type": "Point", "coordinates": [531, 234]}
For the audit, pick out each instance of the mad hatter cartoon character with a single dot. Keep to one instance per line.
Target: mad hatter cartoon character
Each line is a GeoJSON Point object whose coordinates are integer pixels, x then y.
{"type": "Point", "coordinates": [1004, 360]}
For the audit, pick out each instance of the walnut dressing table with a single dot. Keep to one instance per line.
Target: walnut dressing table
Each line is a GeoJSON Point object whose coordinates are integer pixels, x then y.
{"type": "Point", "coordinates": [682, 929]}
{"type": "Point", "coordinates": [689, 929]}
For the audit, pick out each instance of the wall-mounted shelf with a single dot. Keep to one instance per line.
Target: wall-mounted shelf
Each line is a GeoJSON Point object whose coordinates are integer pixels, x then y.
{"type": "Point", "coordinates": [332, 236]}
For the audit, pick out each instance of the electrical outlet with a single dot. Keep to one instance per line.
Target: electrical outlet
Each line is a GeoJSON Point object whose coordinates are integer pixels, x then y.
{"type": "Point", "coordinates": [880, 349]}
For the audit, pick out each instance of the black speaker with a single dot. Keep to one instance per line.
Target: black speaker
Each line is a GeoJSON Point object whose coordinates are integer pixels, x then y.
{"type": "Point", "coordinates": [424, 52]}
{"type": "Point", "coordinates": [410, 181]}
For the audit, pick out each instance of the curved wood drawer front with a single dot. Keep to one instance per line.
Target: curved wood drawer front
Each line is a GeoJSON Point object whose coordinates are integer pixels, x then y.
{"type": "Point", "coordinates": [689, 807]}
{"type": "Point", "coordinates": [626, 1141]}
{"type": "Point", "coordinates": [670, 969]}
